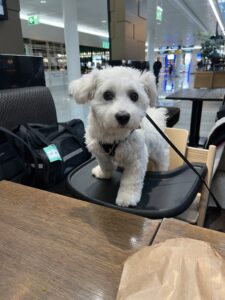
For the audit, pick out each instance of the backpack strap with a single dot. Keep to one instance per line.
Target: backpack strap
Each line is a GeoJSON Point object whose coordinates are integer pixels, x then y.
{"type": "Point", "coordinates": [10, 133]}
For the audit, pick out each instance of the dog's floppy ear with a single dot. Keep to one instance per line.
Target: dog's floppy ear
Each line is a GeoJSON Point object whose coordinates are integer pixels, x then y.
{"type": "Point", "coordinates": [83, 89]}
{"type": "Point", "coordinates": [148, 79]}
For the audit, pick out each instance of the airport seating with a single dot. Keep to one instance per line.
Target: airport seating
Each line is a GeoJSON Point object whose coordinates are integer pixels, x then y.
{"type": "Point", "coordinates": [30, 104]}
{"type": "Point", "coordinates": [195, 214]}
{"type": "Point", "coordinates": [23, 105]}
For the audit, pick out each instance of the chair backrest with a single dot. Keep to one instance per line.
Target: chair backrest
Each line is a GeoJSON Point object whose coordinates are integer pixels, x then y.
{"type": "Point", "coordinates": [206, 156]}
{"type": "Point", "coordinates": [23, 105]}
{"type": "Point", "coordinates": [179, 138]}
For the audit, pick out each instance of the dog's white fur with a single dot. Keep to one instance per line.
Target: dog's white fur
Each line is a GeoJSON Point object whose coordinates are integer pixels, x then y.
{"type": "Point", "coordinates": [139, 140]}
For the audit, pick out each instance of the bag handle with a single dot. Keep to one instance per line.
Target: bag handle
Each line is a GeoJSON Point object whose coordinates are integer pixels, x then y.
{"type": "Point", "coordinates": [40, 136]}
{"type": "Point", "coordinates": [70, 130]}
{"type": "Point", "coordinates": [47, 142]}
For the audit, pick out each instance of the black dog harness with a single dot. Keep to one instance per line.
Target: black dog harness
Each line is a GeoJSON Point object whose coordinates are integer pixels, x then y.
{"type": "Point", "coordinates": [110, 149]}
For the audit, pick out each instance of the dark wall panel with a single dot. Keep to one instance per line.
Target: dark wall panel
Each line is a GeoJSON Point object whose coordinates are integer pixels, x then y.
{"type": "Point", "coordinates": [11, 40]}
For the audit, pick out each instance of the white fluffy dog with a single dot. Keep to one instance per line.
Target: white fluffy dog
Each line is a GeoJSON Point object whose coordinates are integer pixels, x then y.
{"type": "Point", "coordinates": [118, 133]}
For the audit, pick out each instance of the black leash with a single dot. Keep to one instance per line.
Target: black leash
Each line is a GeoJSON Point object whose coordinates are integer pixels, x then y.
{"type": "Point", "coordinates": [184, 158]}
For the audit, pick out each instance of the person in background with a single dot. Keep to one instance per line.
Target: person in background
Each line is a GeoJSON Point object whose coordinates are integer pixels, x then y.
{"type": "Point", "coordinates": [98, 66]}
{"type": "Point", "coordinates": [156, 69]}
{"type": "Point", "coordinates": [84, 68]}
{"type": "Point", "coordinates": [200, 65]}
{"type": "Point", "coordinates": [170, 69]}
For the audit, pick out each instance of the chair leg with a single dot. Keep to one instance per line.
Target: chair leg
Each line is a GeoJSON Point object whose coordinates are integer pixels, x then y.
{"type": "Point", "coordinates": [203, 206]}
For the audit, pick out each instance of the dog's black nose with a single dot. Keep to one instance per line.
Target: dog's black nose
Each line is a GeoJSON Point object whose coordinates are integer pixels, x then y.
{"type": "Point", "coordinates": [122, 117]}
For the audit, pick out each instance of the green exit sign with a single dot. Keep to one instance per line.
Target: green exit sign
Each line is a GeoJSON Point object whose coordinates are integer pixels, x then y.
{"type": "Point", "coordinates": [105, 44]}
{"type": "Point", "coordinates": [159, 13]}
{"type": "Point", "coordinates": [33, 20]}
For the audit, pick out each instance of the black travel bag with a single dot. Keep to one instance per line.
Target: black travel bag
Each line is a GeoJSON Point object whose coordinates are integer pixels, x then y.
{"type": "Point", "coordinates": [57, 149]}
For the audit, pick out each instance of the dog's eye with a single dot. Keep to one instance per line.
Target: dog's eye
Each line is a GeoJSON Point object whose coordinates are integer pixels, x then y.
{"type": "Point", "coordinates": [108, 95]}
{"type": "Point", "coordinates": [133, 96]}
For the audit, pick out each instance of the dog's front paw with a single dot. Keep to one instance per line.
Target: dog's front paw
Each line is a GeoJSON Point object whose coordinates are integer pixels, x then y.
{"type": "Point", "coordinates": [127, 199]}
{"type": "Point", "coordinates": [98, 173]}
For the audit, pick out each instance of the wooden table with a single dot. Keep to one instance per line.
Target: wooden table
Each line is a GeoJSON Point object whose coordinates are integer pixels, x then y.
{"type": "Point", "coordinates": [197, 96]}
{"type": "Point", "coordinates": [172, 228]}
{"type": "Point", "coordinates": [55, 247]}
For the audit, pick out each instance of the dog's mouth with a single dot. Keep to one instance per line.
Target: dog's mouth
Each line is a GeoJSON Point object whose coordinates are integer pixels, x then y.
{"type": "Point", "coordinates": [120, 129]}
{"type": "Point", "coordinates": [122, 126]}
{"type": "Point", "coordinates": [132, 125]}
{"type": "Point", "coordinates": [117, 126]}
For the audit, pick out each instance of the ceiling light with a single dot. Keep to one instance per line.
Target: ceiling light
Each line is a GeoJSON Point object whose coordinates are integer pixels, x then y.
{"type": "Point", "coordinates": [104, 21]}
{"type": "Point", "coordinates": [60, 24]}
{"type": "Point", "coordinates": [43, 1]}
{"type": "Point", "coordinates": [211, 2]}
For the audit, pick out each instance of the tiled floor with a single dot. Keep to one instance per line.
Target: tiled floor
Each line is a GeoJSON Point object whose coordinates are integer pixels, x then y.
{"type": "Point", "coordinates": [66, 107]}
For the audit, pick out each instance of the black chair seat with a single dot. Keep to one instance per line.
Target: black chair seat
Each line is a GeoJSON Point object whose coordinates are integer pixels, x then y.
{"type": "Point", "coordinates": [165, 194]}
{"type": "Point", "coordinates": [173, 116]}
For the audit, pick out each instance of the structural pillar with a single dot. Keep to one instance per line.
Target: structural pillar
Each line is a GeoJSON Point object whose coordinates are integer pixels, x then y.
{"type": "Point", "coordinates": [194, 61]}
{"type": "Point", "coordinates": [127, 29]}
{"type": "Point", "coordinates": [71, 39]}
{"type": "Point", "coordinates": [151, 25]}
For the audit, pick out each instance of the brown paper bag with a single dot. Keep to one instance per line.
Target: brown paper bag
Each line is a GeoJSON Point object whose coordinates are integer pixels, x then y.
{"type": "Point", "coordinates": [178, 269]}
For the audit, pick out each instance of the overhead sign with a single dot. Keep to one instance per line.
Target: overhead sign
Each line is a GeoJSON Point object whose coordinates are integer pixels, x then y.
{"type": "Point", "coordinates": [33, 20]}
{"type": "Point", "coordinates": [179, 51]}
{"type": "Point", "coordinates": [159, 13]}
{"type": "Point", "coordinates": [105, 44]}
